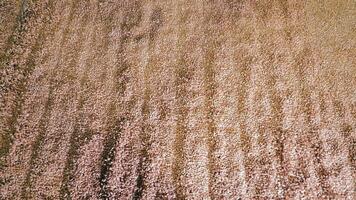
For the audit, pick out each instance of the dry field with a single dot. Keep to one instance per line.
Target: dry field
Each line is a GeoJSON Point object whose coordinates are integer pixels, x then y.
{"type": "Point", "coordinates": [177, 99]}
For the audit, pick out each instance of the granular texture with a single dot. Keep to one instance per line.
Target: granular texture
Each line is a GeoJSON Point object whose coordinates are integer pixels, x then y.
{"type": "Point", "coordinates": [177, 99]}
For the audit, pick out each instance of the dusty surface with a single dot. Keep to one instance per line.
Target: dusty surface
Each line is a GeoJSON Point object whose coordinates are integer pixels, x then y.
{"type": "Point", "coordinates": [177, 99]}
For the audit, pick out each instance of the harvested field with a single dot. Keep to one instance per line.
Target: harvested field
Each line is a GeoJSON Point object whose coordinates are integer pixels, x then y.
{"type": "Point", "coordinates": [177, 99]}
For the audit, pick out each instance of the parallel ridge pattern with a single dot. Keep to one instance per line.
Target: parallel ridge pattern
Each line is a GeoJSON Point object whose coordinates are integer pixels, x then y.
{"type": "Point", "coordinates": [177, 99]}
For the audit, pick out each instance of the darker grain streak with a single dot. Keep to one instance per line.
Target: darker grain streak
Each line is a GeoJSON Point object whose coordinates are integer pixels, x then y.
{"type": "Point", "coordinates": [15, 39]}
{"type": "Point", "coordinates": [132, 18]}
{"type": "Point", "coordinates": [346, 132]}
{"type": "Point", "coordinates": [109, 151]}
{"type": "Point", "coordinates": [156, 20]}
{"type": "Point", "coordinates": [36, 146]}
{"type": "Point", "coordinates": [351, 142]}
{"type": "Point", "coordinates": [210, 92]}
{"type": "Point", "coordinates": [244, 71]}
{"type": "Point", "coordinates": [21, 85]}
{"type": "Point", "coordinates": [212, 44]}
{"type": "Point", "coordinates": [108, 156]}
{"type": "Point", "coordinates": [276, 126]}
{"type": "Point", "coordinates": [263, 10]}
{"type": "Point", "coordinates": [144, 159]}
{"type": "Point", "coordinates": [212, 143]}
{"type": "Point", "coordinates": [182, 80]}
{"type": "Point", "coordinates": [181, 83]}
{"type": "Point", "coordinates": [284, 7]}
{"type": "Point", "coordinates": [77, 137]}
{"type": "Point", "coordinates": [303, 60]}
{"type": "Point", "coordinates": [233, 9]}
{"type": "Point", "coordinates": [115, 128]}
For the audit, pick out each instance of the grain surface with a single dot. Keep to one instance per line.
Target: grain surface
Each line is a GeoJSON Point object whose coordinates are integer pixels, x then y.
{"type": "Point", "coordinates": [177, 99]}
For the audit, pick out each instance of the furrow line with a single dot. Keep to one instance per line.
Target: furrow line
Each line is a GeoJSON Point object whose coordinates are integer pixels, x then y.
{"type": "Point", "coordinates": [313, 139]}
{"type": "Point", "coordinates": [36, 146]}
{"type": "Point", "coordinates": [22, 85]}
{"type": "Point", "coordinates": [76, 138]}
{"type": "Point", "coordinates": [210, 54]}
{"type": "Point", "coordinates": [181, 81]}
{"type": "Point", "coordinates": [132, 18]}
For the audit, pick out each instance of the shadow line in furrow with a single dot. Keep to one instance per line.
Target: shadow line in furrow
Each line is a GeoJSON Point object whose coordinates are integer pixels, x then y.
{"type": "Point", "coordinates": [19, 97]}
{"type": "Point", "coordinates": [342, 143]}
{"type": "Point", "coordinates": [314, 141]}
{"type": "Point", "coordinates": [163, 108]}
{"type": "Point", "coordinates": [76, 138]}
{"type": "Point", "coordinates": [291, 182]}
{"type": "Point", "coordinates": [346, 132]}
{"type": "Point", "coordinates": [210, 92]}
{"type": "Point", "coordinates": [108, 154]}
{"type": "Point", "coordinates": [181, 82]}
{"type": "Point", "coordinates": [275, 122]}
{"type": "Point", "coordinates": [346, 141]}
{"type": "Point", "coordinates": [278, 134]}
{"type": "Point", "coordinates": [244, 70]}
{"type": "Point", "coordinates": [268, 131]}
{"type": "Point", "coordinates": [181, 131]}
{"type": "Point", "coordinates": [45, 118]}
{"type": "Point", "coordinates": [111, 140]}
{"type": "Point", "coordinates": [16, 37]}
{"type": "Point", "coordinates": [132, 18]}
{"type": "Point", "coordinates": [210, 49]}
{"type": "Point", "coordinates": [156, 21]}
{"type": "Point", "coordinates": [144, 157]}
